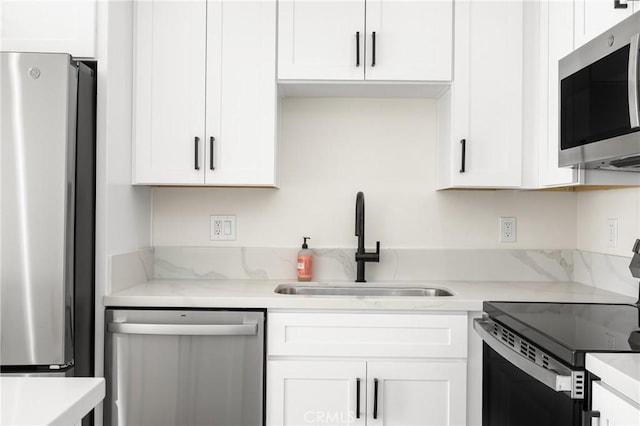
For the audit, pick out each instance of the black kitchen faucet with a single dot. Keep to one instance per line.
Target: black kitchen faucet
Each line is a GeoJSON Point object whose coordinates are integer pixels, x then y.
{"type": "Point", "coordinates": [361, 255]}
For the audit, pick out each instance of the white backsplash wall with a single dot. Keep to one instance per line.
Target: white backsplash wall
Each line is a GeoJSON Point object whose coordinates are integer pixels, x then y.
{"type": "Point", "coordinates": [595, 207]}
{"type": "Point", "coordinates": [332, 148]}
{"type": "Point", "coordinates": [260, 263]}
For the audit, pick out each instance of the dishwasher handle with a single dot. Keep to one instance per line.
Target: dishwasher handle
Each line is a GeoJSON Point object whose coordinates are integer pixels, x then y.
{"type": "Point", "coordinates": [184, 329]}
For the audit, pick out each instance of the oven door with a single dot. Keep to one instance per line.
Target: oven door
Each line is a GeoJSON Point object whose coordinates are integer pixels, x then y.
{"type": "Point", "coordinates": [523, 386]}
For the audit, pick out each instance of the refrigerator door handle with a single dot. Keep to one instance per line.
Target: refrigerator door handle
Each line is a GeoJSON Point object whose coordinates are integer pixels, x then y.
{"type": "Point", "coordinates": [185, 329]}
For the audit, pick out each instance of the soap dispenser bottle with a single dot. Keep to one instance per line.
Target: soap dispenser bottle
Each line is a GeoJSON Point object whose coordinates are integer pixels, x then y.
{"type": "Point", "coordinates": [305, 262]}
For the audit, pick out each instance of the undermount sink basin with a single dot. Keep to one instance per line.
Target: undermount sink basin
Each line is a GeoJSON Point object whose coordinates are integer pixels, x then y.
{"type": "Point", "coordinates": [371, 291]}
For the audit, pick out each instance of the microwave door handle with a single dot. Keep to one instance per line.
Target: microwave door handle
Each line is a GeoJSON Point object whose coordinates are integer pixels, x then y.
{"type": "Point", "coordinates": [634, 117]}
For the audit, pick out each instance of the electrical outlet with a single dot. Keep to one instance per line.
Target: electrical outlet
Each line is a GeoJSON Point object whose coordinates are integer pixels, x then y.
{"type": "Point", "coordinates": [223, 228]}
{"type": "Point", "coordinates": [507, 229]}
{"type": "Point", "coordinates": [612, 233]}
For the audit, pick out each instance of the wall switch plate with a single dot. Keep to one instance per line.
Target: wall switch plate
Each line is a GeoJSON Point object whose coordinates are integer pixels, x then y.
{"type": "Point", "coordinates": [507, 229]}
{"type": "Point", "coordinates": [612, 233]}
{"type": "Point", "coordinates": [223, 228]}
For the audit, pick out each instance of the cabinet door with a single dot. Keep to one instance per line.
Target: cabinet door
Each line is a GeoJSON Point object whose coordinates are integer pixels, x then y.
{"type": "Point", "coordinates": [556, 31]}
{"type": "Point", "coordinates": [486, 96]}
{"type": "Point", "coordinates": [615, 410]}
{"type": "Point", "coordinates": [241, 93]}
{"type": "Point", "coordinates": [324, 392]}
{"type": "Point", "coordinates": [417, 393]}
{"type": "Point", "coordinates": [58, 26]}
{"type": "Point", "coordinates": [169, 92]}
{"type": "Point", "coordinates": [592, 17]}
{"type": "Point", "coordinates": [413, 40]}
{"type": "Point", "coordinates": [317, 40]}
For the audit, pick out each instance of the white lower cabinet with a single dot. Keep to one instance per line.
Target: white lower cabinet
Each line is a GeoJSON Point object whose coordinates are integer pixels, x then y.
{"type": "Point", "coordinates": [615, 409]}
{"type": "Point", "coordinates": [417, 393]}
{"type": "Point", "coordinates": [327, 392]}
{"type": "Point", "coordinates": [335, 369]}
{"type": "Point", "coordinates": [315, 392]}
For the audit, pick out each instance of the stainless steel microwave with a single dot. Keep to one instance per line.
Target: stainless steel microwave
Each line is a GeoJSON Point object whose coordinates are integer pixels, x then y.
{"type": "Point", "coordinates": [599, 115]}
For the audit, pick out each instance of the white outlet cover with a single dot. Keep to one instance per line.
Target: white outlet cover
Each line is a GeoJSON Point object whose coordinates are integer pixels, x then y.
{"type": "Point", "coordinates": [508, 230]}
{"type": "Point", "coordinates": [223, 228]}
{"type": "Point", "coordinates": [612, 233]}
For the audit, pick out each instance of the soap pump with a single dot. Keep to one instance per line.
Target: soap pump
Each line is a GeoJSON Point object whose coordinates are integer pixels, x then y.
{"type": "Point", "coordinates": [305, 262]}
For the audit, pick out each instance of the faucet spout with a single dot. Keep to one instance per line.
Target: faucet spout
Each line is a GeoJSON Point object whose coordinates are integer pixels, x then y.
{"type": "Point", "coordinates": [361, 254]}
{"type": "Point", "coordinates": [360, 220]}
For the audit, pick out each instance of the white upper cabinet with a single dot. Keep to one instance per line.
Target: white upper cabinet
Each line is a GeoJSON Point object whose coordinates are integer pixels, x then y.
{"type": "Point", "coordinates": [205, 93]}
{"type": "Point", "coordinates": [556, 41]}
{"type": "Point", "coordinates": [413, 40]}
{"type": "Point", "coordinates": [54, 26]}
{"type": "Point", "coordinates": [374, 40]}
{"type": "Point", "coordinates": [169, 97]}
{"type": "Point", "coordinates": [593, 17]}
{"type": "Point", "coordinates": [480, 117]}
{"type": "Point", "coordinates": [240, 146]}
{"type": "Point", "coordinates": [321, 40]}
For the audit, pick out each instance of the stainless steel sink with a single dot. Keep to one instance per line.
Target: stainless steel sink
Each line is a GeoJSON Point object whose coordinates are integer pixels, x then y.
{"type": "Point", "coordinates": [370, 291]}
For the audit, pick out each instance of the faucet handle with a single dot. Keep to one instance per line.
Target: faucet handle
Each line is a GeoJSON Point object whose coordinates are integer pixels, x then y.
{"type": "Point", "coordinates": [377, 247]}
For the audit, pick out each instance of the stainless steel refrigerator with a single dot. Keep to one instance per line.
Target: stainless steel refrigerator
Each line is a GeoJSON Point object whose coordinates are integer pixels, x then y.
{"type": "Point", "coordinates": [47, 214]}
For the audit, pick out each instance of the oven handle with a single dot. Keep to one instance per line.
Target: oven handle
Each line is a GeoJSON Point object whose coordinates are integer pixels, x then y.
{"type": "Point", "coordinates": [634, 117]}
{"type": "Point", "coordinates": [557, 382]}
{"type": "Point", "coordinates": [184, 329]}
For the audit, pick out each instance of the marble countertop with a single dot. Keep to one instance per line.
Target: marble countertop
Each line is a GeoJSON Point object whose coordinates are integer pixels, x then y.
{"type": "Point", "coordinates": [48, 400]}
{"type": "Point", "coordinates": [619, 371]}
{"type": "Point", "coordinates": [468, 296]}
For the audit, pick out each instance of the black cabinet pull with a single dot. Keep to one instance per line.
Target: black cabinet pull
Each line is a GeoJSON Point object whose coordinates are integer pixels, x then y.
{"type": "Point", "coordinates": [373, 46]}
{"type": "Point", "coordinates": [464, 155]}
{"type": "Point", "coordinates": [358, 398]}
{"type": "Point", "coordinates": [211, 141]}
{"type": "Point", "coordinates": [196, 143]}
{"type": "Point", "coordinates": [375, 398]}
{"type": "Point", "coordinates": [587, 416]}
{"type": "Point", "coordinates": [357, 48]}
{"type": "Point", "coordinates": [617, 4]}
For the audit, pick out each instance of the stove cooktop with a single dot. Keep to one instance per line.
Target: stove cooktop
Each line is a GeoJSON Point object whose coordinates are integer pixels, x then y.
{"type": "Point", "coordinates": [567, 331]}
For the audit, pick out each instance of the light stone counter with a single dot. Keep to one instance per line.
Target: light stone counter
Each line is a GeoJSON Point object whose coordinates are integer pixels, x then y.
{"type": "Point", "coordinates": [619, 371]}
{"type": "Point", "coordinates": [468, 296]}
{"type": "Point", "coordinates": [48, 400]}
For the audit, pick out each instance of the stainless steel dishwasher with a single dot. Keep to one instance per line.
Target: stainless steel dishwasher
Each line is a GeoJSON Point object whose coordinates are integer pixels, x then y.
{"type": "Point", "coordinates": [184, 367]}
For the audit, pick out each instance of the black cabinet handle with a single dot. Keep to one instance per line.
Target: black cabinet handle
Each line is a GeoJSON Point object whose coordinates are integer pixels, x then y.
{"type": "Point", "coordinates": [618, 5]}
{"type": "Point", "coordinates": [358, 398]}
{"type": "Point", "coordinates": [211, 141]}
{"type": "Point", "coordinates": [587, 416]}
{"type": "Point", "coordinates": [196, 162]}
{"type": "Point", "coordinates": [375, 398]}
{"type": "Point", "coordinates": [464, 155]}
{"type": "Point", "coordinates": [357, 48]}
{"type": "Point", "coordinates": [373, 46]}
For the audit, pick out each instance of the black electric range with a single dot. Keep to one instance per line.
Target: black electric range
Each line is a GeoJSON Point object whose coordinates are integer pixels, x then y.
{"type": "Point", "coordinates": [569, 330]}
{"type": "Point", "coordinates": [534, 358]}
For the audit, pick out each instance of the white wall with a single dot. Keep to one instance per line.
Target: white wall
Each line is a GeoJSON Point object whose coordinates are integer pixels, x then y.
{"type": "Point", "coordinates": [123, 211]}
{"type": "Point", "coordinates": [595, 207]}
{"type": "Point", "coordinates": [332, 148]}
